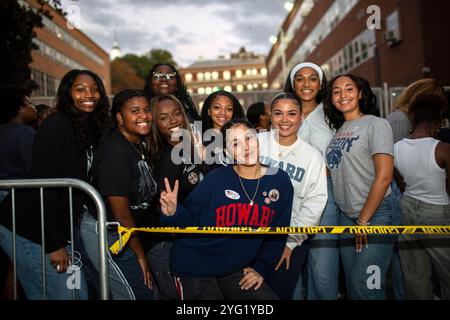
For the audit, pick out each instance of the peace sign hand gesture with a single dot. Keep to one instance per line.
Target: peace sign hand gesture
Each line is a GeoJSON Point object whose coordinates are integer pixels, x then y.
{"type": "Point", "coordinates": [168, 199]}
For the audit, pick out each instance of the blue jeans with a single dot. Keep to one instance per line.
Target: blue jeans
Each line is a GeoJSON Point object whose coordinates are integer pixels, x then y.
{"type": "Point", "coordinates": [29, 270]}
{"type": "Point", "coordinates": [322, 266]}
{"type": "Point", "coordinates": [3, 194]}
{"type": "Point", "coordinates": [365, 272]}
{"type": "Point", "coordinates": [126, 281]}
{"type": "Point", "coordinates": [423, 254]}
{"type": "Point", "coordinates": [397, 274]}
{"type": "Point", "coordinates": [159, 260]}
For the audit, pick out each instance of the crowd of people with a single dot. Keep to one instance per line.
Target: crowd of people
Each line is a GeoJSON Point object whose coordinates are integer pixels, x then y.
{"type": "Point", "coordinates": [317, 154]}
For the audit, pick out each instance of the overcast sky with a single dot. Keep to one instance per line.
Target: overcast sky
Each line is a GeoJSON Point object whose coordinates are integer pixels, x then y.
{"type": "Point", "coordinates": [187, 28]}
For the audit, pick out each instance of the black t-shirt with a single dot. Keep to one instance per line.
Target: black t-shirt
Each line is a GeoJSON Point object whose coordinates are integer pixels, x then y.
{"type": "Point", "coordinates": [121, 171]}
{"type": "Point", "coordinates": [188, 174]}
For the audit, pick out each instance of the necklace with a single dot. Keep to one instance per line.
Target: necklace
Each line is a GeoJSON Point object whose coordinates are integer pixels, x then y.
{"type": "Point", "coordinates": [245, 191]}
{"type": "Point", "coordinates": [141, 153]}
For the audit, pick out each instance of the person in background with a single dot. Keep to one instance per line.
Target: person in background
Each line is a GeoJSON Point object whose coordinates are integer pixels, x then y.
{"type": "Point", "coordinates": [425, 183]}
{"type": "Point", "coordinates": [16, 136]}
{"type": "Point", "coordinates": [401, 127]}
{"type": "Point", "coordinates": [360, 158]}
{"type": "Point", "coordinates": [282, 148]}
{"type": "Point", "coordinates": [16, 143]}
{"type": "Point", "coordinates": [309, 84]}
{"type": "Point", "coordinates": [164, 78]}
{"type": "Point", "coordinates": [219, 108]}
{"type": "Point", "coordinates": [43, 111]}
{"type": "Point", "coordinates": [398, 118]}
{"type": "Point", "coordinates": [259, 114]}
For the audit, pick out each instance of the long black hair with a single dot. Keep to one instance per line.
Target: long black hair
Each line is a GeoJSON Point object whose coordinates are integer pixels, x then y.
{"type": "Point", "coordinates": [181, 93]}
{"type": "Point", "coordinates": [367, 104]}
{"type": "Point", "coordinates": [238, 111]}
{"type": "Point", "coordinates": [90, 128]}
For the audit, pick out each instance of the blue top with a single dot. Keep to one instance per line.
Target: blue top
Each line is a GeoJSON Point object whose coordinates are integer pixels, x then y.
{"type": "Point", "coordinates": [16, 145]}
{"type": "Point", "coordinates": [220, 201]}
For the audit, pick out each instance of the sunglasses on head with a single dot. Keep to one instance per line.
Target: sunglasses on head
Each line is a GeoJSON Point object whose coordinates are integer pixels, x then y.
{"type": "Point", "coordinates": [159, 75]}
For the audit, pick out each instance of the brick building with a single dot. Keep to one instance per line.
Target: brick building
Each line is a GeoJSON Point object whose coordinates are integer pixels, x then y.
{"type": "Point", "coordinates": [241, 73]}
{"type": "Point", "coordinates": [409, 44]}
{"type": "Point", "coordinates": [60, 50]}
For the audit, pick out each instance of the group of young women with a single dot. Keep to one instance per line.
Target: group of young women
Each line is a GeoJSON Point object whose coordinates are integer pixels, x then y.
{"type": "Point", "coordinates": [328, 159]}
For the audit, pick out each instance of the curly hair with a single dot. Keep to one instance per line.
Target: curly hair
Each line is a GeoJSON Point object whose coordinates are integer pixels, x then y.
{"type": "Point", "coordinates": [90, 128]}
{"type": "Point", "coordinates": [12, 99]}
{"type": "Point", "coordinates": [322, 90]}
{"type": "Point", "coordinates": [238, 111]}
{"type": "Point", "coordinates": [367, 104]}
{"type": "Point", "coordinates": [180, 93]}
{"type": "Point", "coordinates": [121, 99]}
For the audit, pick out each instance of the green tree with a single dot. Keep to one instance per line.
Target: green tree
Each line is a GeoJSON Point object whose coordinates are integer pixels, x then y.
{"type": "Point", "coordinates": [16, 40]}
{"type": "Point", "coordinates": [142, 64]}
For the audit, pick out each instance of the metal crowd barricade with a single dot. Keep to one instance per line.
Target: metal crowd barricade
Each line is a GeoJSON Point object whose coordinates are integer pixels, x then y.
{"type": "Point", "coordinates": [57, 183]}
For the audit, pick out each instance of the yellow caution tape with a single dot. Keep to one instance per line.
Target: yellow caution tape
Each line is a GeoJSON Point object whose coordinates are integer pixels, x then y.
{"type": "Point", "coordinates": [125, 233]}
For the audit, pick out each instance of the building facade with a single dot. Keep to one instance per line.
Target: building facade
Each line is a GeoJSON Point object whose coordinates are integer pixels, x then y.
{"type": "Point", "coordinates": [244, 72]}
{"type": "Point", "coordinates": [390, 43]}
{"type": "Point", "coordinates": [61, 49]}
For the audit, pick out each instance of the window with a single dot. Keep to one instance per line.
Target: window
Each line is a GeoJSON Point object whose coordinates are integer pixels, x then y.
{"type": "Point", "coordinates": [215, 75]}
{"type": "Point", "coordinates": [208, 90]}
{"type": "Point", "coordinates": [392, 34]}
{"type": "Point", "coordinates": [248, 72]}
{"type": "Point", "coordinates": [228, 88]}
{"type": "Point", "coordinates": [249, 86]}
{"type": "Point", "coordinates": [207, 75]}
{"type": "Point", "coordinates": [188, 77]}
{"type": "Point", "coordinates": [240, 88]}
{"type": "Point", "coordinates": [227, 75]}
{"type": "Point", "coordinates": [265, 85]}
{"type": "Point", "coordinates": [254, 72]}
{"type": "Point", "coordinates": [264, 72]}
{"type": "Point", "coordinates": [238, 73]}
{"type": "Point", "coordinates": [200, 76]}
{"type": "Point", "coordinates": [356, 52]}
{"type": "Point", "coordinates": [201, 90]}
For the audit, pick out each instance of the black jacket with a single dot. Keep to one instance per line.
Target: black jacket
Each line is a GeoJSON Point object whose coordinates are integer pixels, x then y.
{"type": "Point", "coordinates": [55, 155]}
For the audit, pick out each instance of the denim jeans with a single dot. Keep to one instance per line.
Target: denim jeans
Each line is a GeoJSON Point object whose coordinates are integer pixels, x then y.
{"type": "Point", "coordinates": [126, 281]}
{"type": "Point", "coordinates": [365, 272]}
{"type": "Point", "coordinates": [420, 254]}
{"type": "Point", "coordinates": [159, 260]}
{"type": "Point", "coordinates": [396, 269]}
{"type": "Point", "coordinates": [322, 265]}
{"type": "Point", "coordinates": [29, 271]}
{"type": "Point", "coordinates": [3, 194]}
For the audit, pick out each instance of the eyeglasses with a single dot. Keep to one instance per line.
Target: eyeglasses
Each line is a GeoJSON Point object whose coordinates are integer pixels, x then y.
{"type": "Point", "coordinates": [159, 75]}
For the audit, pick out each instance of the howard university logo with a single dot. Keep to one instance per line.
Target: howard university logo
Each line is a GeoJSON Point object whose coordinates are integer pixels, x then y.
{"type": "Point", "coordinates": [337, 146]}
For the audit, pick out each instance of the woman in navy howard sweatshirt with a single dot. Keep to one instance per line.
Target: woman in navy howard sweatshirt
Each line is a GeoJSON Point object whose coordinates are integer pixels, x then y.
{"type": "Point", "coordinates": [245, 194]}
